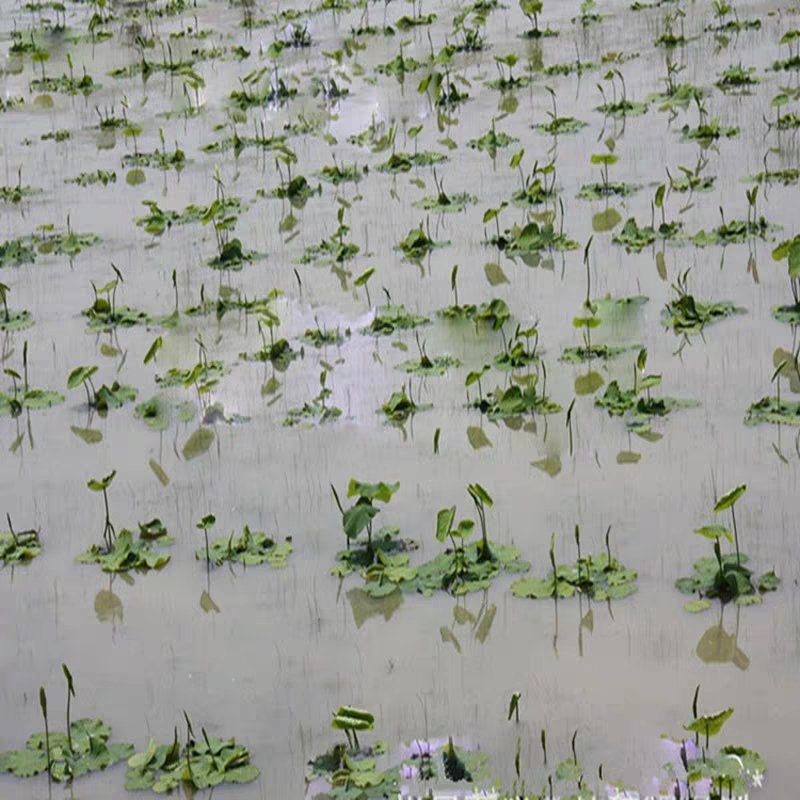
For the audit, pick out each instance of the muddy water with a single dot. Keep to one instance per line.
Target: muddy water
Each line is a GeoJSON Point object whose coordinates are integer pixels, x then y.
{"type": "Point", "coordinates": [280, 649]}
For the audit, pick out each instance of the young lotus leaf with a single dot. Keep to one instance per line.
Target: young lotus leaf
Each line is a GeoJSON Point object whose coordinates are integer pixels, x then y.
{"type": "Point", "coordinates": [729, 498]}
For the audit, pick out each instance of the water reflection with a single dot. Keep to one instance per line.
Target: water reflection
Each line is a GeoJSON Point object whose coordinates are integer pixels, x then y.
{"type": "Point", "coordinates": [364, 606]}
{"type": "Point", "coordinates": [478, 625]}
{"type": "Point", "coordinates": [717, 646]}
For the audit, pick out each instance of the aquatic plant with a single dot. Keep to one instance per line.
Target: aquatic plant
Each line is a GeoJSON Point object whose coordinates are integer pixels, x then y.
{"type": "Point", "coordinates": [506, 82]}
{"type": "Point", "coordinates": [599, 577]}
{"type": "Point", "coordinates": [736, 231]}
{"type": "Point", "coordinates": [606, 189]}
{"type": "Point", "coordinates": [389, 318]}
{"type": "Point", "coordinates": [358, 519]}
{"type": "Point", "coordinates": [84, 747]}
{"type": "Point", "coordinates": [201, 763]}
{"type": "Point", "coordinates": [18, 547]}
{"type": "Point", "coordinates": [12, 320]}
{"type": "Point", "coordinates": [789, 251]}
{"type": "Point", "coordinates": [250, 549]}
{"type": "Point", "coordinates": [317, 410]}
{"type": "Point", "coordinates": [104, 314]}
{"type": "Point", "coordinates": [531, 9]}
{"type": "Point", "coordinates": [418, 243]}
{"type": "Point", "coordinates": [637, 405]}
{"type": "Point", "coordinates": [538, 186]}
{"type": "Point", "coordinates": [106, 397]}
{"type": "Point", "coordinates": [772, 408]}
{"type": "Point", "coordinates": [425, 365]}
{"type": "Point", "coordinates": [559, 125]}
{"type": "Point", "coordinates": [401, 406]}
{"type": "Point", "coordinates": [685, 314]}
{"type": "Point", "coordinates": [25, 397]}
{"type": "Point", "coordinates": [123, 552]}
{"type": "Point", "coordinates": [724, 576]}
{"type": "Point", "coordinates": [618, 105]}
{"type": "Point", "coordinates": [461, 569]}
{"type": "Point", "coordinates": [634, 238]}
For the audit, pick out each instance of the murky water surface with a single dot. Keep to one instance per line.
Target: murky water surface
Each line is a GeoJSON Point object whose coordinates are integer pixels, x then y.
{"type": "Point", "coordinates": [268, 654]}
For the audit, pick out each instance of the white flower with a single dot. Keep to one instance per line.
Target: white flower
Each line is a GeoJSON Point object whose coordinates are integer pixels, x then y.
{"type": "Point", "coordinates": [758, 779]}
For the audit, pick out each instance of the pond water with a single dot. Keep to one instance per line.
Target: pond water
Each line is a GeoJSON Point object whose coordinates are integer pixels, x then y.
{"type": "Point", "coordinates": [268, 654]}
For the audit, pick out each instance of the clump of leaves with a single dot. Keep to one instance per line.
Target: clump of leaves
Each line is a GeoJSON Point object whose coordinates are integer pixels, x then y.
{"type": "Point", "coordinates": [732, 771]}
{"type": "Point", "coordinates": [518, 352]}
{"type": "Point", "coordinates": [725, 23]}
{"type": "Point", "coordinates": [358, 519]}
{"type": "Point", "coordinates": [531, 9]}
{"type": "Point", "coordinates": [618, 105]}
{"type": "Point", "coordinates": [737, 78]}
{"type": "Point", "coordinates": [774, 409]}
{"type": "Point", "coordinates": [790, 39]}
{"type": "Point", "coordinates": [204, 375]}
{"type": "Point", "coordinates": [323, 337]}
{"type": "Point", "coordinates": [531, 238]}
{"type": "Point", "coordinates": [724, 575]}
{"type": "Point", "coordinates": [591, 352]}
{"type": "Point", "coordinates": [250, 549]}
{"type": "Point", "coordinates": [515, 401]}
{"type": "Point", "coordinates": [789, 250]}
{"type": "Point", "coordinates": [506, 82]}
{"type": "Point", "coordinates": [317, 410]}
{"type": "Point", "coordinates": [637, 405]}
{"type": "Point", "coordinates": [558, 125]}
{"type": "Point", "coordinates": [85, 179]}
{"type": "Point", "coordinates": [201, 764]}
{"type": "Point", "coordinates": [403, 162]}
{"type": "Point", "coordinates": [12, 320]}
{"type": "Point", "coordinates": [280, 353]}
{"type": "Point", "coordinates": [634, 239]}
{"type": "Point", "coordinates": [123, 552]}
{"type": "Point", "coordinates": [399, 66]}
{"type": "Point", "coordinates": [537, 187]}
{"type": "Point", "coordinates": [16, 252]}
{"type": "Point", "coordinates": [443, 202]}
{"type": "Point", "coordinates": [599, 577]}
{"type": "Point", "coordinates": [685, 314]}
{"type": "Point", "coordinates": [24, 396]}
{"type": "Point", "coordinates": [734, 231]}
{"type": "Point", "coordinates": [104, 398]}
{"type": "Point", "coordinates": [606, 189]}
{"type": "Point", "coordinates": [390, 318]}
{"type": "Point", "coordinates": [335, 247]}
{"type": "Point", "coordinates": [461, 569]}
{"type": "Point", "coordinates": [491, 141]}
{"type": "Point", "coordinates": [707, 131]}
{"type": "Point", "coordinates": [401, 405]}
{"type": "Point", "coordinates": [693, 180]}
{"type": "Point", "coordinates": [158, 159]}
{"type": "Point", "coordinates": [65, 84]}
{"type": "Point", "coordinates": [418, 243]}
{"type": "Point", "coordinates": [18, 547]}
{"type": "Point", "coordinates": [104, 314]}
{"type": "Point", "coordinates": [84, 747]}
{"type": "Point", "coordinates": [425, 365]}
{"type": "Point", "coordinates": [16, 193]}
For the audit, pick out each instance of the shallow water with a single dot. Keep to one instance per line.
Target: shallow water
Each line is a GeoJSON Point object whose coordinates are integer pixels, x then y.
{"type": "Point", "coordinates": [286, 647]}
